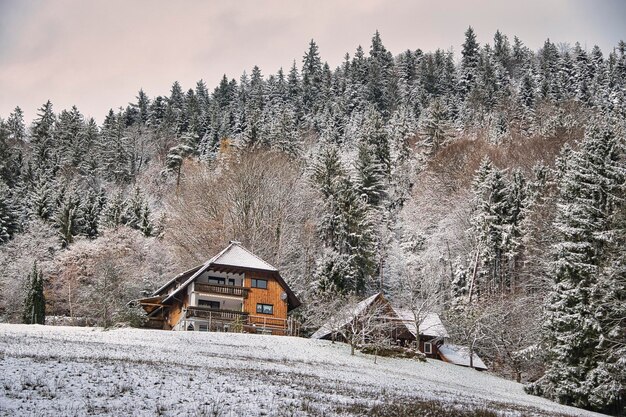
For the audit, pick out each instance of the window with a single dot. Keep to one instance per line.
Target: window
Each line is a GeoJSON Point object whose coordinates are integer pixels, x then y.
{"type": "Point", "coordinates": [231, 281]}
{"type": "Point", "coordinates": [259, 283]}
{"type": "Point", "coordinates": [428, 348]}
{"type": "Point", "coordinates": [217, 280]}
{"type": "Point", "coordinates": [265, 308]}
{"type": "Point", "coordinates": [204, 327]}
{"type": "Point", "coordinates": [210, 304]}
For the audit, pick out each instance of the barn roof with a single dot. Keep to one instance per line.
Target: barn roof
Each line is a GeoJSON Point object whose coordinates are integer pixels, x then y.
{"type": "Point", "coordinates": [431, 325]}
{"type": "Point", "coordinates": [459, 355]}
{"type": "Point", "coordinates": [345, 316]}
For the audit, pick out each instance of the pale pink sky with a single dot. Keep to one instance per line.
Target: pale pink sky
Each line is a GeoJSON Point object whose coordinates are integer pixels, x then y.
{"type": "Point", "coordinates": [98, 54]}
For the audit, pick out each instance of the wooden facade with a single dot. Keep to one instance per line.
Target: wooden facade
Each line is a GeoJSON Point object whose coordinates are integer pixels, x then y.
{"type": "Point", "coordinates": [397, 324]}
{"type": "Point", "coordinates": [233, 291]}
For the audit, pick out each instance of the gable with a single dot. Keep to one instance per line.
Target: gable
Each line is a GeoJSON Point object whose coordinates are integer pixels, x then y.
{"type": "Point", "coordinates": [238, 256]}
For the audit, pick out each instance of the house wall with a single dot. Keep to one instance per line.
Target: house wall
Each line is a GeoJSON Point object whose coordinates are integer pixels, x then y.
{"type": "Point", "coordinates": [271, 295]}
{"type": "Point", "coordinates": [435, 342]}
{"type": "Point", "coordinates": [176, 310]}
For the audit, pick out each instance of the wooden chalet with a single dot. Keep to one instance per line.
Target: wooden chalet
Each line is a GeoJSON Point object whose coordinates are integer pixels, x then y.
{"type": "Point", "coordinates": [233, 291]}
{"type": "Point", "coordinates": [432, 333]}
{"type": "Point", "coordinates": [400, 326]}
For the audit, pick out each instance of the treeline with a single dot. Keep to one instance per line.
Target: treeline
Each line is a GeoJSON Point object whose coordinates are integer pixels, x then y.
{"type": "Point", "coordinates": [498, 177]}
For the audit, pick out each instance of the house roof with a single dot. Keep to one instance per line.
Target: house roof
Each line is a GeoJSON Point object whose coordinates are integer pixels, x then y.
{"type": "Point", "coordinates": [345, 316]}
{"type": "Point", "coordinates": [459, 355]}
{"type": "Point", "coordinates": [234, 255]}
{"type": "Point", "coordinates": [431, 325]}
{"type": "Point", "coordinates": [238, 256]}
{"type": "Point", "coordinates": [181, 276]}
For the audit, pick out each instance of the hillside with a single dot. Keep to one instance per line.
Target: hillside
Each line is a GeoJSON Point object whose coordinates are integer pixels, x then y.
{"type": "Point", "coordinates": [79, 371]}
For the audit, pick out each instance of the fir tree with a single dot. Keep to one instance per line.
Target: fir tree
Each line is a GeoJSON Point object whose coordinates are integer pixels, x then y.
{"type": "Point", "coordinates": [35, 303]}
{"type": "Point", "coordinates": [374, 134]}
{"type": "Point", "coordinates": [370, 175]}
{"type": "Point", "coordinates": [8, 215]}
{"type": "Point", "coordinates": [15, 125]}
{"type": "Point", "coordinates": [435, 127]}
{"type": "Point", "coordinates": [68, 218]}
{"type": "Point", "coordinates": [311, 78]}
{"type": "Point", "coordinates": [42, 136]}
{"type": "Point", "coordinates": [582, 369]}
{"type": "Point", "coordinates": [114, 212]}
{"type": "Point", "coordinates": [469, 60]}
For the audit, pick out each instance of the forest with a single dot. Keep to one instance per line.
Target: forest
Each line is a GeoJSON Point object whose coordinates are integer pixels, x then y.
{"type": "Point", "coordinates": [487, 186]}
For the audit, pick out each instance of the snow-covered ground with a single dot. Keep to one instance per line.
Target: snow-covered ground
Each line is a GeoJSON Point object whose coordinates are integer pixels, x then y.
{"type": "Point", "coordinates": [69, 371]}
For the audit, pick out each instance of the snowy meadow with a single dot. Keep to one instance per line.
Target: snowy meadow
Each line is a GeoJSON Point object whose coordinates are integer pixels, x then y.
{"type": "Point", "coordinates": [72, 371]}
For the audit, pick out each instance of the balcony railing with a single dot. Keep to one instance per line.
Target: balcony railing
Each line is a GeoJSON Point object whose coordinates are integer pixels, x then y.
{"type": "Point", "coordinates": [214, 313]}
{"type": "Point", "coordinates": [238, 321]}
{"type": "Point", "coordinates": [232, 290]}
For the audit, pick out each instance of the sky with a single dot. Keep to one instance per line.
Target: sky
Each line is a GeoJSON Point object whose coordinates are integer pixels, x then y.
{"type": "Point", "coordinates": [98, 54]}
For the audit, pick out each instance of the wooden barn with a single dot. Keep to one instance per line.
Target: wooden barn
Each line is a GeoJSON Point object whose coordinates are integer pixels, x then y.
{"type": "Point", "coordinates": [399, 324]}
{"type": "Point", "coordinates": [432, 333]}
{"type": "Point", "coordinates": [233, 291]}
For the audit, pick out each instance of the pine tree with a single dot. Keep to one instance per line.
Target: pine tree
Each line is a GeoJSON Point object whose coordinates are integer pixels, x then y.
{"type": "Point", "coordinates": [402, 127]}
{"type": "Point", "coordinates": [138, 213]}
{"type": "Point", "coordinates": [42, 136]}
{"type": "Point", "coordinates": [370, 175]}
{"type": "Point", "coordinates": [142, 107]}
{"type": "Point", "coordinates": [115, 149]}
{"type": "Point", "coordinates": [435, 127]}
{"type": "Point", "coordinates": [354, 234]}
{"type": "Point", "coordinates": [35, 303]}
{"type": "Point", "coordinates": [374, 134]}
{"type": "Point", "coordinates": [41, 198]}
{"type": "Point", "coordinates": [10, 158]}
{"type": "Point", "coordinates": [114, 212]}
{"type": "Point", "coordinates": [311, 78]}
{"type": "Point", "coordinates": [469, 61]}
{"type": "Point", "coordinates": [496, 218]}
{"type": "Point", "coordinates": [67, 218]}
{"type": "Point", "coordinates": [582, 369]}
{"type": "Point", "coordinates": [9, 224]}
{"type": "Point", "coordinates": [90, 210]}
{"type": "Point", "coordinates": [174, 110]}
{"type": "Point", "coordinates": [334, 273]}
{"type": "Point", "coordinates": [175, 158]}
{"type": "Point", "coordinates": [15, 124]}
{"type": "Point", "coordinates": [70, 138]}
{"type": "Point", "coordinates": [145, 222]}
{"type": "Point", "coordinates": [379, 76]}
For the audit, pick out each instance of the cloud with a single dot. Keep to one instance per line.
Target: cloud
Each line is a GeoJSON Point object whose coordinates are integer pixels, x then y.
{"type": "Point", "coordinates": [98, 54]}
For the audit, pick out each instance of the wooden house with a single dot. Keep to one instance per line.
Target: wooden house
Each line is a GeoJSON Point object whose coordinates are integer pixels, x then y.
{"type": "Point", "coordinates": [432, 333]}
{"type": "Point", "coordinates": [233, 291]}
{"type": "Point", "coordinates": [399, 324]}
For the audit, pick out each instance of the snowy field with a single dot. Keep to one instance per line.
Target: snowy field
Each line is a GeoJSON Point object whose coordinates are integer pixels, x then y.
{"type": "Point", "coordinates": [73, 371]}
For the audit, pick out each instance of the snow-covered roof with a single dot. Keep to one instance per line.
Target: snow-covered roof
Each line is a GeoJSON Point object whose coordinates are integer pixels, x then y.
{"type": "Point", "coordinates": [431, 325]}
{"type": "Point", "coordinates": [181, 275]}
{"type": "Point", "coordinates": [344, 317]}
{"type": "Point", "coordinates": [459, 355]}
{"type": "Point", "coordinates": [237, 255]}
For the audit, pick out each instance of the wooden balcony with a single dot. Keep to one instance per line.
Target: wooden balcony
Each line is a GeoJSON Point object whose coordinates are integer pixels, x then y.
{"type": "Point", "coordinates": [237, 321]}
{"type": "Point", "coordinates": [214, 313]}
{"type": "Point", "coordinates": [230, 290]}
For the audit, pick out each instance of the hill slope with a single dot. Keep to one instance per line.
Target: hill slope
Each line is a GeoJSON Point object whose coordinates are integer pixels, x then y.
{"type": "Point", "coordinates": [76, 371]}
